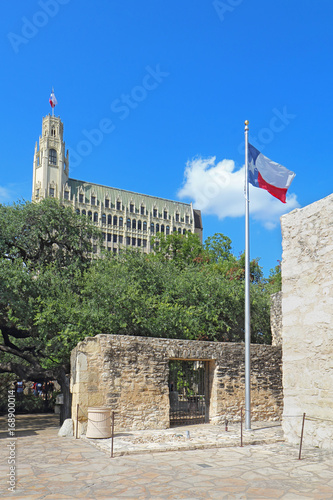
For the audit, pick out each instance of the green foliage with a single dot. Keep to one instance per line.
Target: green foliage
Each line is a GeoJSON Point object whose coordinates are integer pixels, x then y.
{"type": "Point", "coordinates": [218, 247]}
{"type": "Point", "coordinates": [183, 249]}
{"type": "Point", "coordinates": [44, 250]}
{"type": "Point", "coordinates": [52, 295]}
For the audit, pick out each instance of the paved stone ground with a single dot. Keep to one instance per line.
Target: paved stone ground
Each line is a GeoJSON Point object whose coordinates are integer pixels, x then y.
{"type": "Point", "coordinates": [50, 467]}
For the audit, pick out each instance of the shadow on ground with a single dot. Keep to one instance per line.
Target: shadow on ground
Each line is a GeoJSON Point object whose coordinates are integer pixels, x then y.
{"type": "Point", "coordinates": [29, 425]}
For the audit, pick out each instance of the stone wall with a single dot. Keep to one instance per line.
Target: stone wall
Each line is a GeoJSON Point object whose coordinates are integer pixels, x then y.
{"type": "Point", "coordinates": [307, 324]}
{"type": "Point", "coordinates": [276, 318]}
{"type": "Point", "coordinates": [130, 376]}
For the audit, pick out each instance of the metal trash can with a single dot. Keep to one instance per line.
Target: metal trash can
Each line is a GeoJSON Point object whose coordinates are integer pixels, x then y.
{"type": "Point", "coordinates": [99, 423]}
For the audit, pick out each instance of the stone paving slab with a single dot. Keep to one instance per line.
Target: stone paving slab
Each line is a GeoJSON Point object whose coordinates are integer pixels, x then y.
{"type": "Point", "coordinates": [190, 437]}
{"type": "Point", "coordinates": [51, 467]}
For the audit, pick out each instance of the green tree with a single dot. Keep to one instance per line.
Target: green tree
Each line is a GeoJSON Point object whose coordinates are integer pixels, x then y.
{"type": "Point", "coordinates": [183, 249]}
{"type": "Point", "coordinates": [218, 247]}
{"type": "Point", "coordinates": [44, 249]}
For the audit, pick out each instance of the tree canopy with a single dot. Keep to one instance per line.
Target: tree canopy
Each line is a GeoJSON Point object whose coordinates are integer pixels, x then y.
{"type": "Point", "coordinates": [53, 294]}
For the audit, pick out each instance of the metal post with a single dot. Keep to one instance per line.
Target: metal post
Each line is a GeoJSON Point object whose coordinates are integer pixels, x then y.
{"type": "Point", "coordinates": [241, 426]}
{"type": "Point", "coordinates": [77, 420]}
{"type": "Point", "coordinates": [112, 434]}
{"type": "Point", "coordinates": [247, 290]}
{"type": "Point", "coordinates": [300, 444]}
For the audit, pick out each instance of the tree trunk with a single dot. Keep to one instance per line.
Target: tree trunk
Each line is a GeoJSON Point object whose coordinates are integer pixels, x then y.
{"type": "Point", "coordinates": [65, 409]}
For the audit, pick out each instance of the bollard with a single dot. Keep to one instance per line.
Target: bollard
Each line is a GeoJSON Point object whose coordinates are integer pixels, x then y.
{"type": "Point", "coordinates": [112, 433]}
{"type": "Point", "coordinates": [300, 444]}
{"type": "Point", "coordinates": [241, 426]}
{"type": "Point", "coordinates": [77, 420]}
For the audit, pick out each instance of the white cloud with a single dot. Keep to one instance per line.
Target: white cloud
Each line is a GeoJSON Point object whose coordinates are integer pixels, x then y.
{"type": "Point", "coordinates": [218, 189]}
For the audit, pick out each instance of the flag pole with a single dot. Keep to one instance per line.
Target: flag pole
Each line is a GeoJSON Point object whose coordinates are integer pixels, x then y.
{"type": "Point", "coordinates": [247, 290]}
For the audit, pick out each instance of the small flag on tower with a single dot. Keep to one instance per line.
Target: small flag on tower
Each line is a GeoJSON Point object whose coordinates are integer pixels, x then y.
{"type": "Point", "coordinates": [266, 174]}
{"type": "Point", "coordinates": [53, 100]}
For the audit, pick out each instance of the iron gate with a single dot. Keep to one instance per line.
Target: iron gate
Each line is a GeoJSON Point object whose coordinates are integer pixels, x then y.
{"type": "Point", "coordinates": [187, 392]}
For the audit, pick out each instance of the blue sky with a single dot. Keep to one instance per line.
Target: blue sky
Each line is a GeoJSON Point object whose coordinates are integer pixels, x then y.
{"type": "Point", "coordinates": [154, 94]}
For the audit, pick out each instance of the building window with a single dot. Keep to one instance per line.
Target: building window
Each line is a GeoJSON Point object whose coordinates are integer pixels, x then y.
{"type": "Point", "coordinates": [104, 236]}
{"type": "Point", "coordinates": [144, 225]}
{"type": "Point", "coordinates": [174, 229]}
{"type": "Point", "coordinates": [128, 240]}
{"type": "Point", "coordinates": [78, 211]}
{"type": "Point", "coordinates": [118, 205]}
{"type": "Point", "coordinates": [109, 236]}
{"type": "Point", "coordinates": [144, 243]}
{"type": "Point", "coordinates": [115, 220]}
{"type": "Point", "coordinates": [157, 228]}
{"type": "Point", "coordinates": [142, 210]}
{"type": "Point", "coordinates": [162, 228]}
{"type": "Point", "coordinates": [109, 220]}
{"type": "Point", "coordinates": [37, 193]}
{"type": "Point", "coordinates": [139, 225]}
{"type": "Point", "coordinates": [90, 215]}
{"type": "Point", "coordinates": [103, 219]}
{"type": "Point", "coordinates": [93, 200]}
{"type": "Point", "coordinates": [95, 217]}
{"type": "Point", "coordinates": [165, 214]}
{"type": "Point", "coordinates": [114, 250]}
{"type": "Point", "coordinates": [52, 157]}
{"type": "Point", "coordinates": [66, 195]}
{"type": "Point", "coordinates": [180, 230]}
{"type": "Point", "coordinates": [84, 212]}
{"type": "Point", "coordinates": [107, 203]}
{"type": "Point", "coordinates": [152, 228]}
{"type": "Point", "coordinates": [51, 192]}
{"type": "Point", "coordinates": [120, 238]}
{"type": "Point", "coordinates": [177, 217]}
{"type": "Point", "coordinates": [184, 231]}
{"type": "Point", "coordinates": [128, 223]}
{"type": "Point", "coordinates": [131, 208]}
{"type": "Point", "coordinates": [155, 212]}
{"type": "Point", "coordinates": [114, 238]}
{"type": "Point", "coordinates": [94, 248]}
{"type": "Point", "coordinates": [133, 224]}
{"type": "Point", "coordinates": [53, 132]}
{"type": "Point", "coordinates": [167, 230]}
{"type": "Point", "coordinates": [120, 222]}
{"type": "Point", "coordinates": [133, 242]}
{"type": "Point", "coordinates": [139, 242]}
{"type": "Point", "coordinates": [187, 219]}
{"type": "Point", "coordinates": [80, 198]}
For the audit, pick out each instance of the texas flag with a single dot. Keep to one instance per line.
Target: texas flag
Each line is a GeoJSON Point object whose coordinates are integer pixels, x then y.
{"type": "Point", "coordinates": [266, 174]}
{"type": "Point", "coordinates": [53, 100]}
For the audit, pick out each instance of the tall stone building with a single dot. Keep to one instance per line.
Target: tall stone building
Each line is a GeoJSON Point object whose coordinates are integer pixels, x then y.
{"type": "Point", "coordinates": [127, 219]}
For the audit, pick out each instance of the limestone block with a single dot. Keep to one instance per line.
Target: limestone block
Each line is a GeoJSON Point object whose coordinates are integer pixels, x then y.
{"type": "Point", "coordinates": [66, 430]}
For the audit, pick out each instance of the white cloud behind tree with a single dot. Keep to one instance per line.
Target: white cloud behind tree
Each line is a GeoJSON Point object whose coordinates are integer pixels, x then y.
{"type": "Point", "coordinates": [217, 188]}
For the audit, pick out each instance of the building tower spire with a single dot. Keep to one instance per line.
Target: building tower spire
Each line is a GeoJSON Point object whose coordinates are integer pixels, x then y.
{"type": "Point", "coordinates": [50, 167]}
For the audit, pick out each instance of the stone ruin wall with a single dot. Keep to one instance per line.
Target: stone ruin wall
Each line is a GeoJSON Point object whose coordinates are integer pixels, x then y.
{"type": "Point", "coordinates": [307, 329]}
{"type": "Point", "coordinates": [276, 318]}
{"type": "Point", "coordinates": [130, 376]}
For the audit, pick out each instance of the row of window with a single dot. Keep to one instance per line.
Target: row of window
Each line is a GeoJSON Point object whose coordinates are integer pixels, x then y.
{"type": "Point", "coordinates": [134, 224]}
{"type": "Point", "coordinates": [131, 224]}
{"type": "Point", "coordinates": [135, 242]}
{"type": "Point", "coordinates": [119, 206]}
